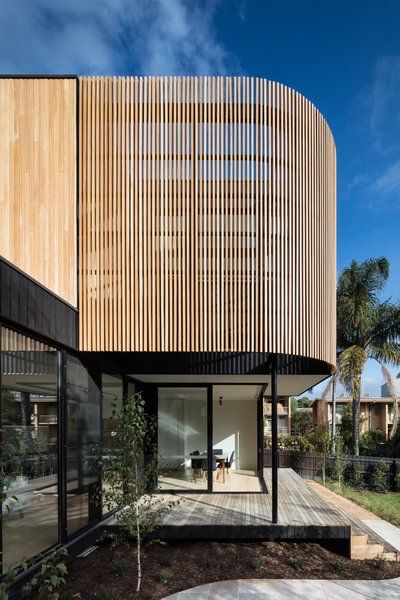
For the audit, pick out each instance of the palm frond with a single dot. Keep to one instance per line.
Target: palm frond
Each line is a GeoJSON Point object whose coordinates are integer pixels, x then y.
{"type": "Point", "coordinates": [385, 324]}
{"type": "Point", "coordinates": [358, 292]}
{"type": "Point", "coordinates": [387, 353]}
{"type": "Point", "coordinates": [393, 393]}
{"type": "Point", "coordinates": [351, 364]}
{"type": "Point", "coordinates": [328, 389]}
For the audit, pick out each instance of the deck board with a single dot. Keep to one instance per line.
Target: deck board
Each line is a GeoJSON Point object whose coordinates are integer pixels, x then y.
{"type": "Point", "coordinates": [301, 512]}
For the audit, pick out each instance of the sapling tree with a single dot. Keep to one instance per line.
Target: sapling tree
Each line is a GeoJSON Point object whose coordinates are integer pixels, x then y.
{"type": "Point", "coordinates": [130, 468]}
{"type": "Point", "coordinates": [340, 461]}
{"type": "Point", "coordinates": [320, 439]}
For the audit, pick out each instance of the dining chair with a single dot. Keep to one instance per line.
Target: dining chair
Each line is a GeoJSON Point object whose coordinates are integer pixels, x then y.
{"type": "Point", "coordinates": [196, 465]}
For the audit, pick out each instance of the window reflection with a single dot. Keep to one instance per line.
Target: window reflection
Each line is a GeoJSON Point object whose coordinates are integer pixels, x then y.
{"type": "Point", "coordinates": [112, 398]}
{"type": "Point", "coordinates": [182, 437]}
{"type": "Point", "coordinates": [29, 430]}
{"type": "Point", "coordinates": [83, 435]}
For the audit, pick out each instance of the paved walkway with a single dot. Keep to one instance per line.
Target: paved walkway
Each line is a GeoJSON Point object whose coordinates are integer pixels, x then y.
{"type": "Point", "coordinates": [386, 530]}
{"type": "Point", "coordinates": [284, 589]}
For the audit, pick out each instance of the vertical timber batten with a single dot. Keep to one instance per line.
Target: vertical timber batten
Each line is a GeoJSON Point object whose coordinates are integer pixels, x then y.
{"type": "Point", "coordinates": [207, 212]}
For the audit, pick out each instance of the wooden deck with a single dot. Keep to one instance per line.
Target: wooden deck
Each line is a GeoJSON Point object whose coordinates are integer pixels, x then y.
{"type": "Point", "coordinates": [303, 514]}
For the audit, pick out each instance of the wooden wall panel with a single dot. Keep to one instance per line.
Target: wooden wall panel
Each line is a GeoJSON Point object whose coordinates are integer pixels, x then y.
{"type": "Point", "coordinates": [207, 217]}
{"type": "Point", "coordinates": [38, 180]}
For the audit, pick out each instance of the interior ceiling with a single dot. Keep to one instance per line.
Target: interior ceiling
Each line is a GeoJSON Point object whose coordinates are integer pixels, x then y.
{"type": "Point", "coordinates": [288, 385]}
{"type": "Point", "coordinates": [36, 384]}
{"type": "Point", "coordinates": [236, 392]}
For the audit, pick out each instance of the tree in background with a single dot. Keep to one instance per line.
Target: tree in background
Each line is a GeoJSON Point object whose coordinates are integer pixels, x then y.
{"type": "Point", "coordinates": [302, 423]}
{"type": "Point", "coordinates": [373, 443]}
{"type": "Point", "coordinates": [366, 329]}
{"type": "Point", "coordinates": [304, 402]}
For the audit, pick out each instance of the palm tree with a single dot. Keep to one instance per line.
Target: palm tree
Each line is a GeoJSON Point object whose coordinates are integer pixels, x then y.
{"type": "Point", "coordinates": [366, 329]}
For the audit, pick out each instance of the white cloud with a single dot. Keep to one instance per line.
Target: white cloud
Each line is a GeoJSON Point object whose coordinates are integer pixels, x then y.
{"type": "Point", "coordinates": [388, 182]}
{"type": "Point", "coordinates": [384, 96]}
{"type": "Point", "coordinates": [163, 37]}
{"type": "Point", "coordinates": [359, 180]}
{"type": "Point", "coordinates": [379, 123]}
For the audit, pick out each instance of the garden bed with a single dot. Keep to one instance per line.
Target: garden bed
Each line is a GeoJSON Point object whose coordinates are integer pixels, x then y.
{"type": "Point", "coordinates": [172, 567]}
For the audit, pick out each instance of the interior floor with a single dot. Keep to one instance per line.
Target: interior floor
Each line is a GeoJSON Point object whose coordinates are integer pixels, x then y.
{"type": "Point", "coordinates": [235, 481]}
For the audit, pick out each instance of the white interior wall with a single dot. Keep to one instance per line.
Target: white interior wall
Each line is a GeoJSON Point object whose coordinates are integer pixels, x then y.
{"type": "Point", "coordinates": [235, 429]}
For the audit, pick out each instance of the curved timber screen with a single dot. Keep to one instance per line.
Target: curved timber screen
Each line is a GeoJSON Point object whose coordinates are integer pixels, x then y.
{"type": "Point", "coordinates": [207, 211]}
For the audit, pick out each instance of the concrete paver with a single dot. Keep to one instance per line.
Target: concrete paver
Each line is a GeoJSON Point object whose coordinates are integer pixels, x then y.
{"type": "Point", "coordinates": [386, 530]}
{"type": "Point", "coordinates": [293, 589]}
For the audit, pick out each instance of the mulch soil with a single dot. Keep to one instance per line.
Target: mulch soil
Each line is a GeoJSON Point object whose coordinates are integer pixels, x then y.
{"type": "Point", "coordinates": [172, 567]}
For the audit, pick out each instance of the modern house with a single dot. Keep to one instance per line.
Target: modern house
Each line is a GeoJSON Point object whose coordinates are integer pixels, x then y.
{"type": "Point", "coordinates": [174, 236]}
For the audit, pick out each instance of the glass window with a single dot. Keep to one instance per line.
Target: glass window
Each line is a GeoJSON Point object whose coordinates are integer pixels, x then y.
{"type": "Point", "coordinates": [111, 398]}
{"type": "Point", "coordinates": [182, 437]}
{"type": "Point", "coordinates": [83, 434]}
{"type": "Point", "coordinates": [30, 437]}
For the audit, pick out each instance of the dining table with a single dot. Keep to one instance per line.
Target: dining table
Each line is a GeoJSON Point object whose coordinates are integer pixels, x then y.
{"type": "Point", "coordinates": [220, 458]}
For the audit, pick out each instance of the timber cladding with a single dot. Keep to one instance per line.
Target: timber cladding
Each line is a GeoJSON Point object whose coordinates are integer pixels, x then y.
{"type": "Point", "coordinates": [38, 180]}
{"type": "Point", "coordinates": [207, 212]}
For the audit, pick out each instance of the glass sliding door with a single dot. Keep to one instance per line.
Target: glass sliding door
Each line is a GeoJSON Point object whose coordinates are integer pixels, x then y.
{"type": "Point", "coordinates": [235, 438]}
{"type": "Point", "coordinates": [182, 437]}
{"type": "Point", "coordinates": [112, 392]}
{"type": "Point", "coordinates": [30, 436]}
{"type": "Point", "coordinates": [83, 435]}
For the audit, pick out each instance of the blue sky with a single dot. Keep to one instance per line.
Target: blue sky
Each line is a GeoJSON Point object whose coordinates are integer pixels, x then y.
{"type": "Point", "coordinates": [344, 56]}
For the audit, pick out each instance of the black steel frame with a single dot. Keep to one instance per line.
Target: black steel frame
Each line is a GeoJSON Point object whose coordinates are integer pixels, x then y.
{"type": "Point", "coordinates": [260, 431]}
{"type": "Point", "coordinates": [96, 370]}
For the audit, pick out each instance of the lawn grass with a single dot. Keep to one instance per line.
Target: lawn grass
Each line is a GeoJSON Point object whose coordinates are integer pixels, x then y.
{"type": "Point", "coordinates": [384, 505]}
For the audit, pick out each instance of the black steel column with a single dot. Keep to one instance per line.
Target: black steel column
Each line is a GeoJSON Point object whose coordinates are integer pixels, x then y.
{"type": "Point", "coordinates": [274, 431]}
{"type": "Point", "coordinates": [210, 465]}
{"type": "Point", "coordinates": [260, 433]}
{"type": "Point", "coordinates": [62, 446]}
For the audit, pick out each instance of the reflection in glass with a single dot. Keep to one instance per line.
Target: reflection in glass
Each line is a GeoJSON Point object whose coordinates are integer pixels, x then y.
{"type": "Point", "coordinates": [29, 430]}
{"type": "Point", "coordinates": [111, 398]}
{"type": "Point", "coordinates": [182, 437]}
{"type": "Point", "coordinates": [83, 435]}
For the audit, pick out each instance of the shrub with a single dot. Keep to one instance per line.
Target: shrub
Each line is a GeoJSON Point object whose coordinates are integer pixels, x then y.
{"type": "Point", "coordinates": [103, 593]}
{"type": "Point", "coordinates": [372, 442]}
{"type": "Point", "coordinates": [379, 477]}
{"type": "Point", "coordinates": [168, 560]}
{"type": "Point", "coordinates": [355, 475]}
{"type": "Point", "coordinates": [210, 563]}
{"type": "Point", "coordinates": [396, 482]}
{"type": "Point", "coordinates": [338, 564]}
{"type": "Point", "coordinates": [69, 595]}
{"type": "Point", "coordinates": [298, 564]}
{"type": "Point", "coordinates": [6, 582]}
{"type": "Point", "coordinates": [381, 563]}
{"type": "Point", "coordinates": [256, 564]}
{"type": "Point", "coordinates": [162, 577]}
{"type": "Point", "coordinates": [296, 443]}
{"type": "Point", "coordinates": [49, 579]}
{"type": "Point", "coordinates": [121, 566]}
